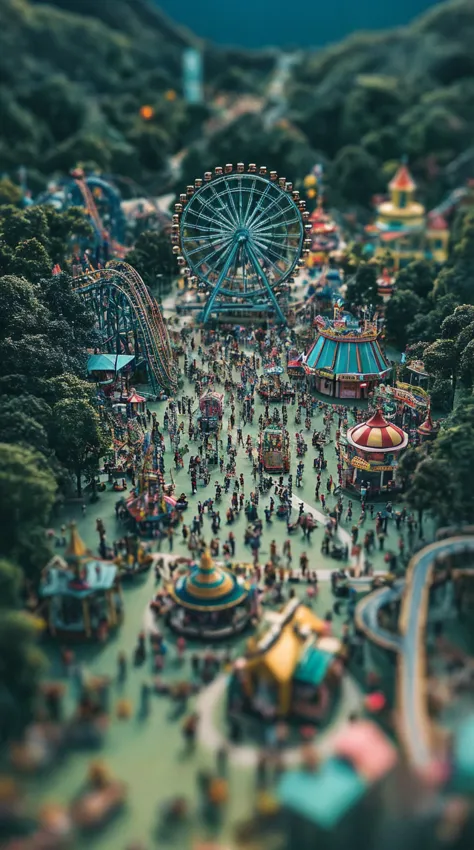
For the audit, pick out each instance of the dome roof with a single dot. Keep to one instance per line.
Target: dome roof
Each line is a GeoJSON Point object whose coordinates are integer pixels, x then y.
{"type": "Point", "coordinates": [208, 588]}
{"type": "Point", "coordinates": [377, 435]}
{"type": "Point", "coordinates": [427, 428]}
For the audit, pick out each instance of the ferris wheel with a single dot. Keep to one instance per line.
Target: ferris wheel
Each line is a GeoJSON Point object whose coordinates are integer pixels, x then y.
{"type": "Point", "coordinates": [240, 235]}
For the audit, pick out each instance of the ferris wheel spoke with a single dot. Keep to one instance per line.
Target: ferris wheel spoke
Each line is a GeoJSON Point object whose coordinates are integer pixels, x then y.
{"type": "Point", "coordinates": [216, 236]}
{"type": "Point", "coordinates": [205, 229]}
{"type": "Point", "coordinates": [266, 259]}
{"type": "Point", "coordinates": [216, 215]}
{"type": "Point", "coordinates": [274, 237]}
{"type": "Point", "coordinates": [274, 224]}
{"type": "Point", "coordinates": [232, 203]}
{"type": "Point", "coordinates": [264, 211]}
{"type": "Point", "coordinates": [225, 210]}
{"type": "Point", "coordinates": [200, 215]}
{"type": "Point", "coordinates": [248, 209]}
{"type": "Point", "coordinates": [216, 248]}
{"type": "Point", "coordinates": [271, 219]}
{"type": "Point", "coordinates": [249, 219]}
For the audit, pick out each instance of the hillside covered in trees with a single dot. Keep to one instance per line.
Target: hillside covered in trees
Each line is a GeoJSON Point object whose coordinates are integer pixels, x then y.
{"type": "Point", "coordinates": [75, 73]}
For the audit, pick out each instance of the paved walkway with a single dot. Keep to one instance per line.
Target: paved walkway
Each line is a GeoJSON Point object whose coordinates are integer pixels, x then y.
{"type": "Point", "coordinates": [246, 755]}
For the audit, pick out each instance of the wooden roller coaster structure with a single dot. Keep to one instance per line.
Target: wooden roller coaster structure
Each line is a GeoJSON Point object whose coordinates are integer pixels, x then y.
{"type": "Point", "coordinates": [126, 311]}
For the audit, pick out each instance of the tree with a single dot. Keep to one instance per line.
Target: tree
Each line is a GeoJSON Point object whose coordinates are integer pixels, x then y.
{"type": "Point", "coordinates": [432, 488]}
{"type": "Point", "coordinates": [77, 436]}
{"type": "Point", "coordinates": [441, 394]}
{"type": "Point", "coordinates": [10, 193]}
{"type": "Point", "coordinates": [418, 276]}
{"type": "Point", "coordinates": [10, 584]}
{"type": "Point", "coordinates": [22, 665]}
{"type": "Point", "coordinates": [153, 258]}
{"type": "Point", "coordinates": [356, 175]}
{"type": "Point", "coordinates": [466, 365]}
{"type": "Point", "coordinates": [27, 493]}
{"type": "Point", "coordinates": [442, 360]}
{"type": "Point", "coordinates": [362, 290]}
{"type": "Point", "coordinates": [22, 311]}
{"type": "Point", "coordinates": [31, 260]}
{"type": "Point", "coordinates": [401, 308]}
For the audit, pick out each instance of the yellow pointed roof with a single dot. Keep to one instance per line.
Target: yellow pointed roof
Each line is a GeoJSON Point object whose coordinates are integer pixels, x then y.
{"type": "Point", "coordinates": [76, 547]}
{"type": "Point", "coordinates": [206, 561]}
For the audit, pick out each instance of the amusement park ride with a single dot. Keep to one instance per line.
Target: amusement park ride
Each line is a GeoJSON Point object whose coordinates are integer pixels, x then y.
{"type": "Point", "coordinates": [101, 201]}
{"type": "Point", "coordinates": [239, 236]}
{"type": "Point", "coordinates": [129, 320]}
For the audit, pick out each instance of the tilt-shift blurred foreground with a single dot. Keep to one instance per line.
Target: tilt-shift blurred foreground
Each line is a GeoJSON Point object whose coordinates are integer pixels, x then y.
{"type": "Point", "coordinates": [236, 426]}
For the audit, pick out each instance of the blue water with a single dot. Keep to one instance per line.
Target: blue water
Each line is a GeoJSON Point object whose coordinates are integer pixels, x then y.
{"type": "Point", "coordinates": [298, 23]}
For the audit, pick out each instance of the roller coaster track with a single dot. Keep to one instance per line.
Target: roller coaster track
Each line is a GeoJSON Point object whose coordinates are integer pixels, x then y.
{"type": "Point", "coordinates": [415, 727]}
{"type": "Point", "coordinates": [156, 345]}
{"type": "Point", "coordinates": [91, 208]}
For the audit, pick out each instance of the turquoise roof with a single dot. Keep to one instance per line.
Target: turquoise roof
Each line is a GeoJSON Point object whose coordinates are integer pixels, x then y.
{"type": "Point", "coordinates": [108, 362]}
{"type": "Point", "coordinates": [463, 756]}
{"type": "Point", "coordinates": [347, 358]}
{"type": "Point", "coordinates": [324, 796]}
{"type": "Point", "coordinates": [100, 575]}
{"type": "Point", "coordinates": [313, 666]}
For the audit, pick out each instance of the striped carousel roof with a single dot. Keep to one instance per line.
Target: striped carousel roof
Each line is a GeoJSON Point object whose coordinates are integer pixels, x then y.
{"type": "Point", "coordinates": [377, 435]}
{"type": "Point", "coordinates": [208, 588]}
{"type": "Point", "coordinates": [347, 355]}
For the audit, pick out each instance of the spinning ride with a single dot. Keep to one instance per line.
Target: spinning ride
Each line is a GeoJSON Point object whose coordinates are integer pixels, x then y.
{"type": "Point", "coordinates": [129, 320]}
{"type": "Point", "coordinates": [239, 236]}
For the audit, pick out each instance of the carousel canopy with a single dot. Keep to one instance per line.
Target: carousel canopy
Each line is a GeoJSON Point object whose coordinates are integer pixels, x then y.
{"type": "Point", "coordinates": [208, 588]}
{"type": "Point", "coordinates": [347, 356]}
{"type": "Point", "coordinates": [377, 435]}
{"type": "Point", "coordinates": [60, 579]}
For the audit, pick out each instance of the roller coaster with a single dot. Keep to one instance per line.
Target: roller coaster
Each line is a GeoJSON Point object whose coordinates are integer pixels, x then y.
{"type": "Point", "coordinates": [129, 320]}
{"type": "Point", "coordinates": [79, 189]}
{"type": "Point", "coordinates": [415, 727]}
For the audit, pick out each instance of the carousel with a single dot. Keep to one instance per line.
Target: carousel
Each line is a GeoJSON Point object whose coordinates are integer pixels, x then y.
{"type": "Point", "coordinates": [209, 602]}
{"type": "Point", "coordinates": [371, 459]}
{"type": "Point", "coordinates": [81, 593]}
{"type": "Point", "coordinates": [346, 359]}
{"type": "Point", "coordinates": [274, 449]}
{"type": "Point", "coordinates": [152, 504]}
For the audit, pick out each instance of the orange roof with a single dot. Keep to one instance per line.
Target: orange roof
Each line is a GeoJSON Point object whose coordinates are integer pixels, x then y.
{"type": "Point", "coordinates": [402, 180]}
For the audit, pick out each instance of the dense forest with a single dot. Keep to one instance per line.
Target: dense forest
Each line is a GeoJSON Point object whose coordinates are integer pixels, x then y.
{"type": "Point", "coordinates": [75, 74]}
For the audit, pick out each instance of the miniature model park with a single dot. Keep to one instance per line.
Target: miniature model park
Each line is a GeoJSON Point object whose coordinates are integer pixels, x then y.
{"type": "Point", "coordinates": [237, 573]}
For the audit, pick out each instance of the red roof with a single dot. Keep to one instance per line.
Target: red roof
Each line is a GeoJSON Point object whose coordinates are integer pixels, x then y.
{"type": "Point", "coordinates": [427, 427]}
{"type": "Point", "coordinates": [402, 180]}
{"type": "Point", "coordinates": [135, 399]}
{"type": "Point", "coordinates": [437, 222]}
{"type": "Point", "coordinates": [377, 435]}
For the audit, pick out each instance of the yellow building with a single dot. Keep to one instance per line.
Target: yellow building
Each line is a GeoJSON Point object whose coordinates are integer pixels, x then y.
{"type": "Point", "coordinates": [290, 668]}
{"type": "Point", "coordinates": [403, 227]}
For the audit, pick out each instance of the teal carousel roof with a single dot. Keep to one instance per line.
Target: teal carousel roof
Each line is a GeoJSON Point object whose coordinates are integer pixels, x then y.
{"type": "Point", "coordinates": [208, 588]}
{"type": "Point", "coordinates": [347, 353]}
